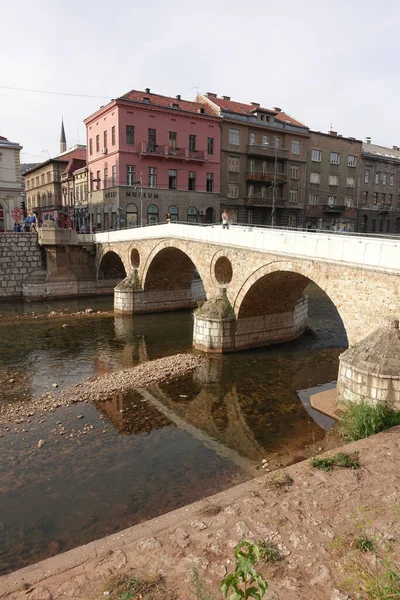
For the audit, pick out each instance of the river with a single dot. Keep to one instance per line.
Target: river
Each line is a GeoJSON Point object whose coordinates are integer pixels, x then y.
{"type": "Point", "coordinates": [105, 467]}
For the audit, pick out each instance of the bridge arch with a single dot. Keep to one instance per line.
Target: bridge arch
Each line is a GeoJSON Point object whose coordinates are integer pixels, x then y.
{"type": "Point", "coordinates": [111, 266]}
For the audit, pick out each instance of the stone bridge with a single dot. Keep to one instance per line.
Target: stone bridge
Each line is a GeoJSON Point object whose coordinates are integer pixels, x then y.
{"type": "Point", "coordinates": [251, 280]}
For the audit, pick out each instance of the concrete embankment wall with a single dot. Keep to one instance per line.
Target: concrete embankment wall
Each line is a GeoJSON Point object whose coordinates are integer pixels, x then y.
{"type": "Point", "coordinates": [19, 256]}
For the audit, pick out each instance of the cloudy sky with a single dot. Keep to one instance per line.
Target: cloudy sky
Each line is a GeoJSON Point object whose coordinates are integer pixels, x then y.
{"type": "Point", "coordinates": [326, 62]}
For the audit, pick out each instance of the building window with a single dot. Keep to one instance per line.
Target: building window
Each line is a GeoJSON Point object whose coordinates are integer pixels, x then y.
{"type": "Point", "coordinates": [192, 181]}
{"type": "Point", "coordinates": [250, 191]}
{"type": "Point", "coordinates": [384, 178]}
{"type": "Point", "coordinates": [114, 174]}
{"type": "Point", "coordinates": [292, 195]}
{"type": "Point", "coordinates": [277, 142]}
{"type": "Point", "coordinates": [387, 226]}
{"type": "Point", "coordinates": [366, 176]}
{"type": "Point", "coordinates": [131, 215]}
{"type": "Point", "coordinates": [294, 172]}
{"type": "Point", "coordinates": [173, 211]}
{"type": "Point", "coordinates": [316, 155]}
{"type": "Point", "coordinates": [210, 182]}
{"type": "Point", "coordinates": [380, 225]}
{"type": "Point", "coordinates": [252, 139]}
{"type": "Point", "coordinates": [292, 220]}
{"type": "Point", "coordinates": [192, 214]}
{"type": "Point", "coordinates": [351, 160]}
{"type": "Point", "coordinates": [234, 137]}
{"type": "Point", "coordinates": [210, 145]}
{"type": "Point", "coordinates": [383, 198]}
{"type": "Point", "coordinates": [348, 201]}
{"type": "Point", "coordinates": [390, 200]}
{"type": "Point", "coordinates": [315, 178]}
{"type": "Point", "coordinates": [333, 180]}
{"type": "Point", "coordinates": [130, 175]}
{"type": "Point", "coordinates": [233, 190]}
{"type": "Point", "coordinates": [335, 158]}
{"type": "Point", "coordinates": [152, 214]}
{"type": "Point", "coordinates": [265, 140]}
{"type": "Point", "coordinates": [263, 192]}
{"type": "Point", "coordinates": [365, 197]}
{"type": "Point", "coordinates": [105, 139]}
{"type": "Point", "coordinates": [97, 143]}
{"type": "Point", "coordinates": [172, 179]}
{"type": "Point", "coordinates": [113, 135]}
{"type": "Point", "coordinates": [391, 180]}
{"type": "Point", "coordinates": [151, 139]}
{"type": "Point", "coordinates": [375, 200]}
{"type": "Point", "coordinates": [313, 199]}
{"type": "Point", "coordinates": [130, 134]}
{"type": "Point", "coordinates": [48, 177]}
{"type": "Point", "coordinates": [331, 200]}
{"type": "Point", "coordinates": [233, 163]}
{"type": "Point", "coordinates": [172, 140]}
{"type": "Point", "coordinates": [264, 167]}
{"type": "Point", "coordinates": [377, 175]}
{"type": "Point", "coordinates": [295, 147]}
{"type": "Point", "coordinates": [98, 178]}
{"type": "Point", "coordinates": [192, 143]}
{"type": "Point", "coordinates": [91, 146]}
{"type": "Point", "coordinates": [350, 182]}
{"type": "Point", "coordinates": [152, 172]}
{"type": "Point", "coordinates": [251, 166]}
{"type": "Point", "coordinates": [105, 177]}
{"type": "Point", "coordinates": [105, 217]}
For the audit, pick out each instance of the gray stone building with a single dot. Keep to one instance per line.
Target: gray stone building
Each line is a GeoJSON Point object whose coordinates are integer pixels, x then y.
{"type": "Point", "coordinates": [379, 206]}
{"type": "Point", "coordinates": [263, 162]}
{"type": "Point", "coordinates": [332, 185]}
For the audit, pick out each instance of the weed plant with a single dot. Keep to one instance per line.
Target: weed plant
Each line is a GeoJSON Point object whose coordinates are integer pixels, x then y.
{"type": "Point", "coordinates": [362, 420]}
{"type": "Point", "coordinates": [341, 459]}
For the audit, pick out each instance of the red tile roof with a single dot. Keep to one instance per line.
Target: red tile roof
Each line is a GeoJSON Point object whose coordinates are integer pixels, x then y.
{"type": "Point", "coordinates": [167, 102]}
{"type": "Point", "coordinates": [78, 153]}
{"type": "Point", "coordinates": [3, 138]}
{"type": "Point", "coordinates": [74, 164]}
{"type": "Point", "coordinates": [249, 109]}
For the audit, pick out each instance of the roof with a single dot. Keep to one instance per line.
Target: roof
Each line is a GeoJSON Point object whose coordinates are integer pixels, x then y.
{"type": "Point", "coordinates": [3, 138]}
{"type": "Point", "coordinates": [379, 353]}
{"type": "Point", "coordinates": [74, 164]}
{"type": "Point", "coordinates": [380, 151]}
{"type": "Point", "coordinates": [250, 109]}
{"type": "Point", "coordinates": [167, 102]}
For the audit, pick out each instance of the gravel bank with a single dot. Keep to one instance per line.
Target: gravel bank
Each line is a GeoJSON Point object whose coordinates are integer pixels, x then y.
{"type": "Point", "coordinates": [101, 387]}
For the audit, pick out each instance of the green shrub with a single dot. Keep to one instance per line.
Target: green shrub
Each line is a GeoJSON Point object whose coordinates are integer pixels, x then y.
{"type": "Point", "coordinates": [341, 459]}
{"type": "Point", "coordinates": [269, 552]}
{"type": "Point", "coordinates": [364, 544]}
{"type": "Point", "coordinates": [362, 420]}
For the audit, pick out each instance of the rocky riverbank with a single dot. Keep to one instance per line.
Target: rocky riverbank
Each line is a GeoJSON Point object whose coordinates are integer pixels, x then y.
{"type": "Point", "coordinates": [95, 388]}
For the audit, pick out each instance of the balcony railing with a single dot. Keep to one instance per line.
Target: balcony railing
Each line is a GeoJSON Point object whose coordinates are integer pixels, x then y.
{"type": "Point", "coordinates": [165, 151]}
{"type": "Point", "coordinates": [334, 208]}
{"type": "Point", "coordinates": [260, 176]}
{"type": "Point", "coordinates": [258, 200]}
{"type": "Point", "coordinates": [268, 151]}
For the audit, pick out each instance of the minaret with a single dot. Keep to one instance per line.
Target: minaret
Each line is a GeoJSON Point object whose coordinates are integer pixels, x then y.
{"type": "Point", "coordinates": [63, 140]}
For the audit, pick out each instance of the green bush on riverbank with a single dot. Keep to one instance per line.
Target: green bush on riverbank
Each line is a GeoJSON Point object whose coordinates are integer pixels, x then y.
{"type": "Point", "coordinates": [362, 420]}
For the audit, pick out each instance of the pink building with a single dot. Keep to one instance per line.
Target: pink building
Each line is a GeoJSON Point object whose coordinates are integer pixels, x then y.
{"type": "Point", "coordinates": [149, 155]}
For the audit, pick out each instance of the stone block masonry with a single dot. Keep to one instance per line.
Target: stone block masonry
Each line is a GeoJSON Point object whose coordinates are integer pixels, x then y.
{"type": "Point", "coordinates": [20, 255]}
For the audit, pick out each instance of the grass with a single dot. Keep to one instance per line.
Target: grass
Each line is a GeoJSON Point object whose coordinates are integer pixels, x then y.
{"type": "Point", "coordinates": [362, 420]}
{"type": "Point", "coordinates": [341, 459]}
{"type": "Point", "coordinates": [127, 587]}
{"type": "Point", "coordinates": [278, 480]}
{"type": "Point", "coordinates": [379, 581]}
{"type": "Point", "coordinates": [364, 544]}
{"type": "Point", "coordinates": [269, 552]}
{"type": "Point", "coordinates": [199, 590]}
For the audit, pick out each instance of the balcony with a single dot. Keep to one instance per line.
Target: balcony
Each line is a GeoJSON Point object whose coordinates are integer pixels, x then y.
{"type": "Point", "coordinates": [164, 151]}
{"type": "Point", "coordinates": [258, 200]}
{"type": "Point", "coordinates": [267, 151]}
{"type": "Point", "coordinates": [260, 176]}
{"type": "Point", "coordinates": [334, 208]}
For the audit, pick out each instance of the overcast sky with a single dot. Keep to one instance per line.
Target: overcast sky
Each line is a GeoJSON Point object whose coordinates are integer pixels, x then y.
{"type": "Point", "coordinates": [326, 62]}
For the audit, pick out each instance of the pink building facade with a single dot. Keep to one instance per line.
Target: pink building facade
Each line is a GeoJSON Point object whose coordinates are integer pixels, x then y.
{"type": "Point", "coordinates": [149, 155]}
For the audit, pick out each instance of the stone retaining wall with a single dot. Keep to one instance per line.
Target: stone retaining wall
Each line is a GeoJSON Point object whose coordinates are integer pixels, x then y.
{"type": "Point", "coordinates": [67, 289]}
{"type": "Point", "coordinates": [20, 255]}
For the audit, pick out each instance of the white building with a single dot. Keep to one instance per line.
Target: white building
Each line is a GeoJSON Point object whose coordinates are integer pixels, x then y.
{"type": "Point", "coordinates": [10, 182]}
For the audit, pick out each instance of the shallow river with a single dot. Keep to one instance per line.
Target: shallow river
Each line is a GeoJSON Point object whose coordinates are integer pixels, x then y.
{"type": "Point", "coordinates": [143, 455]}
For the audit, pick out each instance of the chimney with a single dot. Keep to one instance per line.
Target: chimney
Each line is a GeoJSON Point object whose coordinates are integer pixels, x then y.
{"type": "Point", "coordinates": [333, 133]}
{"type": "Point", "coordinates": [277, 109]}
{"type": "Point", "coordinates": [147, 90]}
{"type": "Point", "coordinates": [226, 97]}
{"type": "Point", "coordinates": [178, 97]}
{"type": "Point", "coordinates": [256, 104]}
{"type": "Point", "coordinates": [211, 95]}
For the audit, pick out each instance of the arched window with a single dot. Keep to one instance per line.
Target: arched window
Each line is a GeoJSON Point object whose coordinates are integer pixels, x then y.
{"type": "Point", "coordinates": [131, 215]}
{"type": "Point", "coordinates": [152, 214]}
{"type": "Point", "coordinates": [114, 216]}
{"type": "Point", "coordinates": [192, 214]}
{"type": "Point", "coordinates": [98, 217]}
{"type": "Point", "coordinates": [106, 222]}
{"type": "Point", "coordinates": [174, 213]}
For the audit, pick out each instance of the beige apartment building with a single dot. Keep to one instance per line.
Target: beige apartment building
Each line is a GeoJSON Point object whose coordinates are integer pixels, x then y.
{"type": "Point", "coordinates": [263, 162]}
{"type": "Point", "coordinates": [332, 185]}
{"type": "Point", "coordinates": [10, 182]}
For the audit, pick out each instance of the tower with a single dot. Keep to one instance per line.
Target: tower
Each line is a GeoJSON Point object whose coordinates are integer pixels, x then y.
{"type": "Point", "coordinates": [63, 140]}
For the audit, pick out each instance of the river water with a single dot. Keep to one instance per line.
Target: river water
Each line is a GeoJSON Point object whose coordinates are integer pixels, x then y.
{"type": "Point", "coordinates": [105, 467]}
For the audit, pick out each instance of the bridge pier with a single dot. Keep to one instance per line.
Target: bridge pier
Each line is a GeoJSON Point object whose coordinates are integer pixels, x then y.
{"type": "Point", "coordinates": [217, 330]}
